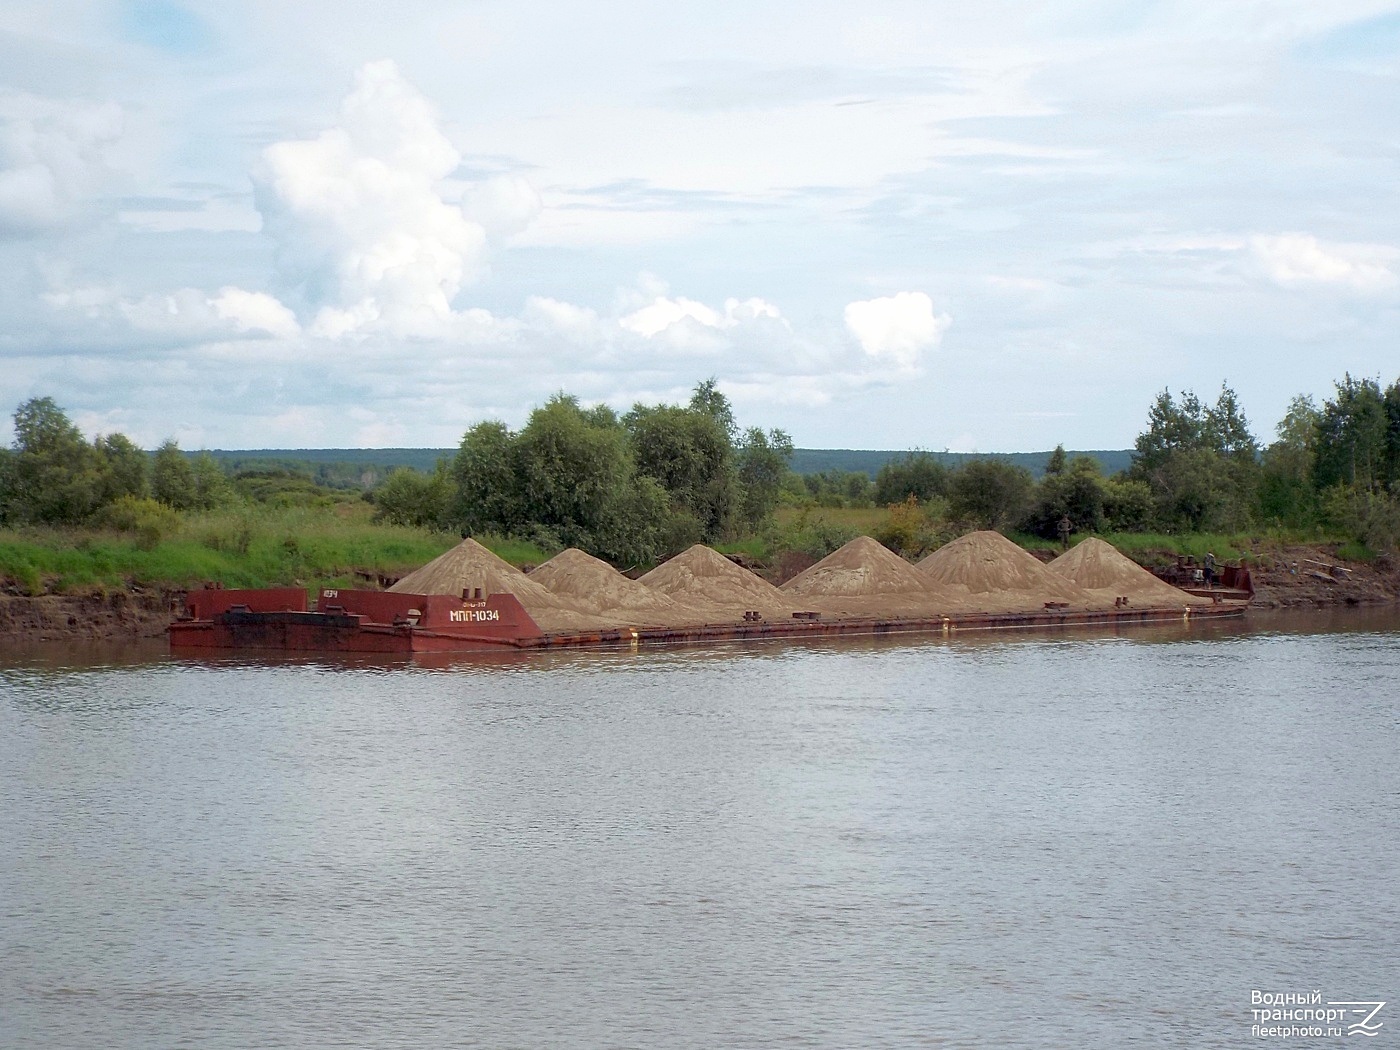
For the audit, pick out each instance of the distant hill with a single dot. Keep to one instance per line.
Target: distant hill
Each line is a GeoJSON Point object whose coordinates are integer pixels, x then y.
{"type": "Point", "coordinates": [816, 460]}
{"type": "Point", "coordinates": [418, 458]}
{"type": "Point", "coordinates": [339, 468]}
{"type": "Point", "coordinates": [366, 467]}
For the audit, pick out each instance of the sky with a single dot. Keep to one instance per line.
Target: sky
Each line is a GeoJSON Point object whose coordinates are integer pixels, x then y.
{"type": "Point", "coordinates": [978, 227]}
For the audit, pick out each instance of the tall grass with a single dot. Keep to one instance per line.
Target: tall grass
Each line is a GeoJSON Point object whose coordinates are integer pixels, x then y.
{"type": "Point", "coordinates": [260, 546]}
{"type": "Point", "coordinates": [244, 547]}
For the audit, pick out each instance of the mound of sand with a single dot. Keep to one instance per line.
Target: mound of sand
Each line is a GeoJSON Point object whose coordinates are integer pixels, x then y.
{"type": "Point", "coordinates": [1101, 568]}
{"type": "Point", "coordinates": [700, 574]}
{"type": "Point", "coordinates": [987, 563]}
{"type": "Point", "coordinates": [470, 565]}
{"type": "Point", "coordinates": [861, 568]}
{"type": "Point", "coordinates": [595, 586]}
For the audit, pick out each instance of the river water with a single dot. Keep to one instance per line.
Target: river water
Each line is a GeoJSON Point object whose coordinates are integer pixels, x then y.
{"type": "Point", "coordinates": [1071, 840]}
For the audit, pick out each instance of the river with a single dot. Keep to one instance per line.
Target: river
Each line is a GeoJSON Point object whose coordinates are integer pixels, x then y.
{"type": "Point", "coordinates": [1085, 839]}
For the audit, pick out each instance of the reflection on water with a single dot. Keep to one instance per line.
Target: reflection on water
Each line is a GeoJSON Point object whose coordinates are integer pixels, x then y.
{"type": "Point", "coordinates": [1087, 838]}
{"type": "Point", "coordinates": [61, 656]}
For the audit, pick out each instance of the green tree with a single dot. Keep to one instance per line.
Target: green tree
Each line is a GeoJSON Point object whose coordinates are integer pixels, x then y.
{"type": "Point", "coordinates": [569, 468]}
{"type": "Point", "coordinates": [1287, 494]}
{"type": "Point", "coordinates": [917, 474]}
{"type": "Point", "coordinates": [211, 485]}
{"type": "Point", "coordinates": [578, 482]}
{"type": "Point", "coordinates": [1226, 429]}
{"type": "Point", "coordinates": [1352, 434]}
{"type": "Point", "coordinates": [763, 463]}
{"type": "Point", "coordinates": [1392, 435]}
{"type": "Point", "coordinates": [1198, 491]}
{"type": "Point", "coordinates": [709, 399]}
{"type": "Point", "coordinates": [1172, 428]}
{"type": "Point", "coordinates": [1058, 461]}
{"type": "Point", "coordinates": [1200, 462]}
{"type": "Point", "coordinates": [1127, 505]}
{"type": "Point", "coordinates": [1077, 491]}
{"type": "Point", "coordinates": [690, 454]}
{"type": "Point", "coordinates": [910, 529]}
{"type": "Point", "coordinates": [990, 494]}
{"type": "Point", "coordinates": [412, 498]}
{"type": "Point", "coordinates": [172, 477]}
{"type": "Point", "coordinates": [485, 474]}
{"type": "Point", "coordinates": [52, 475]}
{"type": "Point", "coordinates": [838, 488]}
{"type": "Point", "coordinates": [123, 468]}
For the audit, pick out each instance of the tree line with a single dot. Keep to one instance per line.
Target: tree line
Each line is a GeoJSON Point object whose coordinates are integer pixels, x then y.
{"type": "Point", "coordinates": [630, 488]}
{"type": "Point", "coordinates": [52, 475]}
{"type": "Point", "coordinates": [1197, 467]}
{"type": "Point", "coordinates": [635, 486]}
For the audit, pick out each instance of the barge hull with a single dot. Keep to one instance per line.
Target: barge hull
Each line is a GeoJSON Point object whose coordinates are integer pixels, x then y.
{"type": "Point", "coordinates": [279, 619]}
{"type": "Point", "coordinates": [866, 626]}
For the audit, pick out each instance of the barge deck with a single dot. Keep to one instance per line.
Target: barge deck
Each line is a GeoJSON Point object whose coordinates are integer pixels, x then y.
{"type": "Point", "coordinates": [281, 619]}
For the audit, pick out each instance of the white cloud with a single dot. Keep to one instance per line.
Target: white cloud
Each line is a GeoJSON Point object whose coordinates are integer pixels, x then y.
{"type": "Point", "coordinates": [53, 155]}
{"type": "Point", "coordinates": [577, 323]}
{"type": "Point", "coordinates": [897, 329]}
{"type": "Point", "coordinates": [663, 313]}
{"type": "Point", "coordinates": [504, 205]}
{"type": "Point", "coordinates": [1299, 258]}
{"type": "Point", "coordinates": [360, 216]}
{"type": "Point", "coordinates": [687, 325]}
{"type": "Point", "coordinates": [255, 312]}
{"type": "Point", "coordinates": [187, 315]}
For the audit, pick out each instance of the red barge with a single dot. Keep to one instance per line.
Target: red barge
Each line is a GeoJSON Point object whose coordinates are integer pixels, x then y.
{"type": "Point", "coordinates": [352, 621]}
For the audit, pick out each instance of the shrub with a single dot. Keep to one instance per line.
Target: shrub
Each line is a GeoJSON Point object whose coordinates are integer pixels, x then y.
{"type": "Point", "coordinates": [912, 529]}
{"type": "Point", "coordinates": [149, 520]}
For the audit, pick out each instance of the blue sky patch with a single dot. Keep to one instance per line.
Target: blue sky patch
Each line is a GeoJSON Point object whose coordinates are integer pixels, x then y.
{"type": "Point", "coordinates": [167, 26]}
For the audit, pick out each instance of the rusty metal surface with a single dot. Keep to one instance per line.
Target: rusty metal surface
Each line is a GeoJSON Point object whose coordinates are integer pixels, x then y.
{"type": "Point", "coordinates": [379, 622]}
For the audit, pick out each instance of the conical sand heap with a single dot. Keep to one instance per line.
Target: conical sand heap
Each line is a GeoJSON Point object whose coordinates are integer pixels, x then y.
{"type": "Point", "coordinates": [998, 574]}
{"type": "Point", "coordinates": [470, 565]}
{"type": "Point", "coordinates": [595, 586]}
{"type": "Point", "coordinates": [982, 572]}
{"type": "Point", "coordinates": [862, 568]}
{"type": "Point", "coordinates": [1107, 573]}
{"type": "Point", "coordinates": [701, 574]}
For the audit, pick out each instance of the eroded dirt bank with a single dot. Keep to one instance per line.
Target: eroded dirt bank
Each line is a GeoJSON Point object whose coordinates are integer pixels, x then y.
{"type": "Point", "coordinates": [1313, 578]}
{"type": "Point", "coordinates": [139, 612]}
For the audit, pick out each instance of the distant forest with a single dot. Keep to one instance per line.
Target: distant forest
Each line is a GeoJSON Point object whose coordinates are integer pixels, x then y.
{"type": "Point", "coordinates": [365, 468]}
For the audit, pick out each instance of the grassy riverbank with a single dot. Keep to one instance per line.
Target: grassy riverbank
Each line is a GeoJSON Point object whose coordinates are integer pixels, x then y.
{"type": "Point", "coordinates": [342, 546]}
{"type": "Point", "coordinates": [259, 547]}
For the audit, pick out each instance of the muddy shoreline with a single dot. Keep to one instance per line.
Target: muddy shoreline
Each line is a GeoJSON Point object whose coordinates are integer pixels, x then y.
{"type": "Point", "coordinates": [115, 615]}
{"type": "Point", "coordinates": [1292, 578]}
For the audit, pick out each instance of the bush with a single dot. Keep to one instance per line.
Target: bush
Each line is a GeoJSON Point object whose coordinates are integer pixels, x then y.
{"type": "Point", "coordinates": [1353, 551]}
{"type": "Point", "coordinates": [990, 494]}
{"type": "Point", "coordinates": [1370, 518]}
{"type": "Point", "coordinates": [816, 537]}
{"type": "Point", "coordinates": [149, 520]}
{"type": "Point", "coordinates": [913, 529]}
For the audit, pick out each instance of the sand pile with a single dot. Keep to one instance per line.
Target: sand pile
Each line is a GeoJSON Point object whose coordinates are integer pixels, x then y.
{"type": "Point", "coordinates": [998, 575]}
{"type": "Point", "coordinates": [1103, 570]}
{"type": "Point", "coordinates": [470, 565]}
{"type": "Point", "coordinates": [700, 574]}
{"type": "Point", "coordinates": [861, 568]}
{"type": "Point", "coordinates": [595, 586]}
